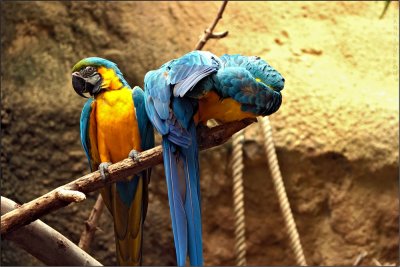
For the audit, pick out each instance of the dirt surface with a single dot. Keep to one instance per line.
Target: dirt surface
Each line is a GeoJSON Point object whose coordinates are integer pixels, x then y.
{"type": "Point", "coordinates": [336, 133]}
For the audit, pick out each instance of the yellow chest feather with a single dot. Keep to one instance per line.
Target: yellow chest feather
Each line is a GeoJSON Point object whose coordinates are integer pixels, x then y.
{"type": "Point", "coordinates": [117, 128]}
{"type": "Point", "coordinates": [226, 110]}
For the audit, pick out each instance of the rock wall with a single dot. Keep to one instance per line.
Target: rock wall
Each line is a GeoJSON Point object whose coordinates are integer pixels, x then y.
{"type": "Point", "coordinates": [336, 133]}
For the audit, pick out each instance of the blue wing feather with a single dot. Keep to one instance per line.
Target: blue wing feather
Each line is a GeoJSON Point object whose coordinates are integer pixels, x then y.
{"type": "Point", "coordinates": [188, 70]}
{"type": "Point", "coordinates": [186, 85]}
{"type": "Point", "coordinates": [84, 128]}
{"type": "Point", "coordinates": [145, 126]}
{"type": "Point", "coordinates": [161, 125]}
{"type": "Point", "coordinates": [188, 64]}
{"type": "Point", "coordinates": [157, 87]}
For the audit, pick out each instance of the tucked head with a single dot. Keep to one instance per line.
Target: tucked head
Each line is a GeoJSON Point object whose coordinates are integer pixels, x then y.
{"type": "Point", "coordinates": [94, 74]}
{"type": "Point", "coordinates": [259, 68]}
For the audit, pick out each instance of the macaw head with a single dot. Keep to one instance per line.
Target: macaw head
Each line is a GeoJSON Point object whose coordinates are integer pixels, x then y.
{"type": "Point", "coordinates": [258, 68]}
{"type": "Point", "coordinates": [260, 85]}
{"type": "Point", "coordinates": [94, 74]}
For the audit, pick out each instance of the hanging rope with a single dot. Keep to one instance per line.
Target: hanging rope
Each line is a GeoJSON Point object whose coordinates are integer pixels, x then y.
{"type": "Point", "coordinates": [238, 198]}
{"type": "Point", "coordinates": [281, 192]}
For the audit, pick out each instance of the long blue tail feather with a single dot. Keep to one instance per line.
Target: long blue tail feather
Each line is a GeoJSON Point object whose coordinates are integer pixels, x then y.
{"type": "Point", "coordinates": [184, 203]}
{"type": "Point", "coordinates": [177, 210]}
{"type": "Point", "coordinates": [192, 201]}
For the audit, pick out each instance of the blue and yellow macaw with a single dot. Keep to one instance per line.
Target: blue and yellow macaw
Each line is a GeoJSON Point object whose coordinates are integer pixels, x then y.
{"type": "Point", "coordinates": [190, 90]}
{"type": "Point", "coordinates": [114, 125]}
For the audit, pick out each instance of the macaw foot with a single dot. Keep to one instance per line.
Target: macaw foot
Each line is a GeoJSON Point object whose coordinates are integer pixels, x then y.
{"type": "Point", "coordinates": [103, 168]}
{"type": "Point", "coordinates": [134, 155]}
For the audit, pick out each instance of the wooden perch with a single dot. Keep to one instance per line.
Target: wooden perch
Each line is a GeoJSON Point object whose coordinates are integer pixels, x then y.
{"type": "Point", "coordinates": [45, 243]}
{"type": "Point", "coordinates": [208, 33]}
{"type": "Point", "coordinates": [31, 211]}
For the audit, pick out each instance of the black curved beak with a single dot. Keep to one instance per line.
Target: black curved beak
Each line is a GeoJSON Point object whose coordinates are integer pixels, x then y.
{"type": "Point", "coordinates": [78, 83]}
{"type": "Point", "coordinates": [91, 85]}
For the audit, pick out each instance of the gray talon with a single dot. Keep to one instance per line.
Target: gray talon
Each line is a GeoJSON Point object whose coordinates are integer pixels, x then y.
{"type": "Point", "coordinates": [134, 155]}
{"type": "Point", "coordinates": [103, 168]}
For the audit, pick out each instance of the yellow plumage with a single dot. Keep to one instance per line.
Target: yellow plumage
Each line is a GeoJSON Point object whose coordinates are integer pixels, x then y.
{"type": "Point", "coordinates": [222, 110]}
{"type": "Point", "coordinates": [117, 128]}
{"type": "Point", "coordinates": [113, 134]}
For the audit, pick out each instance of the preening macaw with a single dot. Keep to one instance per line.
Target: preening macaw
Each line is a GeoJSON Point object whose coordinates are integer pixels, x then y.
{"type": "Point", "coordinates": [114, 125]}
{"type": "Point", "coordinates": [193, 89]}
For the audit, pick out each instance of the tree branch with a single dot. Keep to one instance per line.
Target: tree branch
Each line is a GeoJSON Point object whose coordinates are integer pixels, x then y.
{"type": "Point", "coordinates": [49, 202]}
{"type": "Point", "coordinates": [91, 224]}
{"type": "Point", "coordinates": [45, 243]}
{"type": "Point", "coordinates": [208, 33]}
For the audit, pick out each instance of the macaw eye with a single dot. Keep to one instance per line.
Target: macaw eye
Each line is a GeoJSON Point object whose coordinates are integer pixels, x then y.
{"type": "Point", "coordinates": [88, 71]}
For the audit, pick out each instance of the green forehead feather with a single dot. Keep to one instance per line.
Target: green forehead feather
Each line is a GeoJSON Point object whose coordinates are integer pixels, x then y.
{"type": "Point", "coordinates": [95, 62]}
{"type": "Point", "coordinates": [99, 62]}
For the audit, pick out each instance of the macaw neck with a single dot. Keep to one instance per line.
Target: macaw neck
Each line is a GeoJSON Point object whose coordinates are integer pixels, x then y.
{"type": "Point", "coordinates": [108, 92]}
{"type": "Point", "coordinates": [111, 79]}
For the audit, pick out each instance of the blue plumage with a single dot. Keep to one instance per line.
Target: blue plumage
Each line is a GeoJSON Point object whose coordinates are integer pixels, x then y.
{"type": "Point", "coordinates": [258, 68]}
{"type": "Point", "coordinates": [255, 97]}
{"type": "Point", "coordinates": [176, 201]}
{"type": "Point", "coordinates": [145, 129]}
{"type": "Point", "coordinates": [84, 129]}
{"type": "Point", "coordinates": [180, 147]}
{"type": "Point", "coordinates": [172, 93]}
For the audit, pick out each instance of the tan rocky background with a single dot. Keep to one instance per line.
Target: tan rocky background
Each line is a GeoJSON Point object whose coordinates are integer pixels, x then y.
{"type": "Point", "coordinates": [336, 133]}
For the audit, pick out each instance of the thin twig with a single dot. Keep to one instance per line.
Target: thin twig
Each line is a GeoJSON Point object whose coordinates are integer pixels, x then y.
{"type": "Point", "coordinates": [208, 33]}
{"type": "Point", "coordinates": [387, 3]}
{"type": "Point", "coordinates": [91, 224]}
{"type": "Point", "coordinates": [49, 202]}
{"type": "Point", "coordinates": [360, 258]}
{"type": "Point", "coordinates": [376, 262]}
{"type": "Point", "coordinates": [45, 243]}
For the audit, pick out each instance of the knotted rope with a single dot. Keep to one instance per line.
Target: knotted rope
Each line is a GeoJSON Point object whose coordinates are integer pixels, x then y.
{"type": "Point", "coordinates": [238, 198]}
{"type": "Point", "coordinates": [281, 191]}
